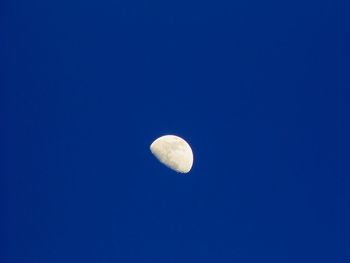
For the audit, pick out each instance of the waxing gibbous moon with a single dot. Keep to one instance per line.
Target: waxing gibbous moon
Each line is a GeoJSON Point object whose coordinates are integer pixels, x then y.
{"type": "Point", "coordinates": [174, 152]}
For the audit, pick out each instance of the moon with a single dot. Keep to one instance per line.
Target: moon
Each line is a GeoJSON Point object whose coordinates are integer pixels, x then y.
{"type": "Point", "coordinates": [174, 152]}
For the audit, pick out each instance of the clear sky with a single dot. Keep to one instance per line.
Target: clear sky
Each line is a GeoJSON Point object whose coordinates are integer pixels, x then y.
{"type": "Point", "coordinates": [260, 89]}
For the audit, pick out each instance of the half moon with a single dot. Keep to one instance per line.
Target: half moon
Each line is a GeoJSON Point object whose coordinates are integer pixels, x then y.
{"type": "Point", "coordinates": [174, 152]}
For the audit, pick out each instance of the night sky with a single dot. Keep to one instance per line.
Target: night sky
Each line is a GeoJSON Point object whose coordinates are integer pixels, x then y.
{"type": "Point", "coordinates": [259, 89]}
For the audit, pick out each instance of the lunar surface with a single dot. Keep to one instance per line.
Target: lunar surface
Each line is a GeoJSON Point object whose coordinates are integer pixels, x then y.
{"type": "Point", "coordinates": [174, 152]}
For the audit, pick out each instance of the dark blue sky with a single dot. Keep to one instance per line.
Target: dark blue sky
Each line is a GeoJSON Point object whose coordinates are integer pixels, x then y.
{"type": "Point", "coordinates": [260, 89]}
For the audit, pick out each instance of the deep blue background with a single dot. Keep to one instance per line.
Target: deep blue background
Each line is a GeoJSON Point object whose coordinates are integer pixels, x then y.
{"type": "Point", "coordinates": [260, 89]}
